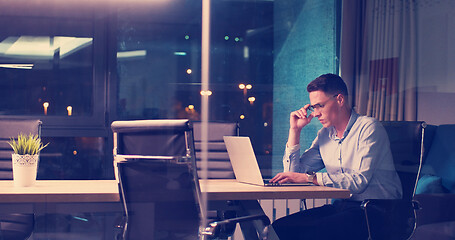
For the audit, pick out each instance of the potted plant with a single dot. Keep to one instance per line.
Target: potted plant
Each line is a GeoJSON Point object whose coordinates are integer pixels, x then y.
{"type": "Point", "coordinates": [25, 158]}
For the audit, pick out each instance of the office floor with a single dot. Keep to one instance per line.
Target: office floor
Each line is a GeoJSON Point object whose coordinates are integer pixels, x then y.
{"type": "Point", "coordinates": [87, 226]}
{"type": "Point", "coordinates": [101, 226]}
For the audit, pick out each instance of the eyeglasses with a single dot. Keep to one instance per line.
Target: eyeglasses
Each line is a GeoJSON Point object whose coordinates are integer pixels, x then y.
{"type": "Point", "coordinates": [319, 106]}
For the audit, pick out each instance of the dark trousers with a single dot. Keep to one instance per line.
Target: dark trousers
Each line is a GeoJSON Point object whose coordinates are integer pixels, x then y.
{"type": "Point", "coordinates": [343, 219]}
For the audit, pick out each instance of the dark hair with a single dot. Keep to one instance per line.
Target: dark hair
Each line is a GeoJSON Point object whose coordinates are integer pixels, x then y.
{"type": "Point", "coordinates": [328, 83]}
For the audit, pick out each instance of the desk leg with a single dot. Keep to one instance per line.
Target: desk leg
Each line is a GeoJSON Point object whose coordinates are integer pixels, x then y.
{"type": "Point", "coordinates": [249, 229]}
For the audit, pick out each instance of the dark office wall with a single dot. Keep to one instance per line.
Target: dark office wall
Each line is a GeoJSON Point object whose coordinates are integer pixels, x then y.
{"type": "Point", "coordinates": [305, 47]}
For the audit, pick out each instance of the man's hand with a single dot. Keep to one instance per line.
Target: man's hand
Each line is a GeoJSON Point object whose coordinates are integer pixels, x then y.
{"type": "Point", "coordinates": [290, 177]}
{"type": "Point", "coordinates": [300, 118]}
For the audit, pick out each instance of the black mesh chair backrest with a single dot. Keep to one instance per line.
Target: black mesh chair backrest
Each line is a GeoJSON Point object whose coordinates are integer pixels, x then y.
{"type": "Point", "coordinates": [157, 178]}
{"type": "Point", "coordinates": [160, 198]}
{"type": "Point", "coordinates": [218, 163]}
{"type": "Point", "coordinates": [407, 145]}
{"type": "Point", "coordinates": [151, 137]}
{"type": "Point", "coordinates": [11, 128]}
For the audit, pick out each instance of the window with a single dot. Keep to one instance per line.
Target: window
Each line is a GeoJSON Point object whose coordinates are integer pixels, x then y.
{"type": "Point", "coordinates": [52, 68]}
{"type": "Point", "coordinates": [48, 70]}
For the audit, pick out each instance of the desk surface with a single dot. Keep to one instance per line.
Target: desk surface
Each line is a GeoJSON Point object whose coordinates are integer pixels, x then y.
{"type": "Point", "coordinates": [230, 189]}
{"type": "Point", "coordinates": [107, 191]}
{"type": "Point", "coordinates": [60, 191]}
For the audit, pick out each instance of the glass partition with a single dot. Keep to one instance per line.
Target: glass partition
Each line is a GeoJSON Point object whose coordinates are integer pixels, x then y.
{"type": "Point", "coordinates": [80, 66]}
{"type": "Point", "coordinates": [262, 54]}
{"type": "Point", "coordinates": [80, 70]}
{"type": "Point", "coordinates": [158, 62]}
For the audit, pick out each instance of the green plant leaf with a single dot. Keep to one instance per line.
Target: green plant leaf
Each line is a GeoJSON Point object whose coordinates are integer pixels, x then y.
{"type": "Point", "coordinates": [30, 144]}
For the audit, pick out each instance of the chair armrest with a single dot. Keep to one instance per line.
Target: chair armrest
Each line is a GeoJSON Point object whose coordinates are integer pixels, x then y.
{"type": "Point", "coordinates": [390, 218]}
{"type": "Point", "coordinates": [435, 208]}
{"type": "Point", "coordinates": [213, 230]}
{"type": "Point", "coordinates": [390, 204]}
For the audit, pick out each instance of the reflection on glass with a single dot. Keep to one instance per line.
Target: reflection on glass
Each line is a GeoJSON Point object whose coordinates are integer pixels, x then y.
{"type": "Point", "coordinates": [45, 70]}
{"type": "Point", "coordinates": [39, 47]}
{"type": "Point", "coordinates": [165, 79]}
{"type": "Point", "coordinates": [158, 61]}
{"type": "Point", "coordinates": [73, 158]}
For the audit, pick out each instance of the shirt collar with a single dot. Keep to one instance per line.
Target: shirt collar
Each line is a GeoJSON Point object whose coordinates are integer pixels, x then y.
{"type": "Point", "coordinates": [352, 119]}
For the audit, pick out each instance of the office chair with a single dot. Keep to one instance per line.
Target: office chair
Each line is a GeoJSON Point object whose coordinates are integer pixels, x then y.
{"type": "Point", "coordinates": [158, 196]}
{"type": "Point", "coordinates": [396, 218]}
{"type": "Point", "coordinates": [218, 163]}
{"type": "Point", "coordinates": [158, 183]}
{"type": "Point", "coordinates": [151, 139]}
{"type": "Point", "coordinates": [15, 226]}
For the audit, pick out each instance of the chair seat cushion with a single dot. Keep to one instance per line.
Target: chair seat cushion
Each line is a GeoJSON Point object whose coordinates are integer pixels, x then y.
{"type": "Point", "coordinates": [441, 157]}
{"type": "Point", "coordinates": [430, 184]}
{"type": "Point", "coordinates": [440, 231]}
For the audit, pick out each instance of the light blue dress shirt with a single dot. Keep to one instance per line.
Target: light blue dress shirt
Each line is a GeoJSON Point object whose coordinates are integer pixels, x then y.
{"type": "Point", "coordinates": [361, 161]}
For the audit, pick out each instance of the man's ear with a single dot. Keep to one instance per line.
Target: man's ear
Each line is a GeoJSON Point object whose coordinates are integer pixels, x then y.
{"type": "Point", "coordinates": [341, 99]}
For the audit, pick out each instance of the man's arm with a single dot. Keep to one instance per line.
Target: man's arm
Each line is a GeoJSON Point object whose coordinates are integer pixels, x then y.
{"type": "Point", "coordinates": [294, 164]}
{"type": "Point", "coordinates": [298, 119]}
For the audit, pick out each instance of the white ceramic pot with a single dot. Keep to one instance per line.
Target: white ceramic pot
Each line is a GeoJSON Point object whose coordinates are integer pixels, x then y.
{"type": "Point", "coordinates": [24, 169]}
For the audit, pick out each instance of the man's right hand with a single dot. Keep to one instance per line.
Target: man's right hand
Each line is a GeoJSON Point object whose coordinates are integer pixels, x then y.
{"type": "Point", "coordinates": [300, 118]}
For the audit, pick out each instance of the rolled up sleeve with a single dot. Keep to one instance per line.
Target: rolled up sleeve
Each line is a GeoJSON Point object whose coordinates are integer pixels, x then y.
{"type": "Point", "coordinates": [291, 159]}
{"type": "Point", "coordinates": [310, 160]}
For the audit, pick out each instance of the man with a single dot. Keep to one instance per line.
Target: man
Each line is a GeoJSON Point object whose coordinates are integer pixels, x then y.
{"type": "Point", "coordinates": [354, 150]}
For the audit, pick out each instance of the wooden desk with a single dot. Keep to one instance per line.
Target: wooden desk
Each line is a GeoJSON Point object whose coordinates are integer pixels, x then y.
{"type": "Point", "coordinates": [230, 189]}
{"type": "Point", "coordinates": [99, 191]}
{"type": "Point", "coordinates": [60, 196]}
{"type": "Point", "coordinates": [64, 197]}
{"type": "Point", "coordinates": [73, 196]}
{"type": "Point", "coordinates": [53, 191]}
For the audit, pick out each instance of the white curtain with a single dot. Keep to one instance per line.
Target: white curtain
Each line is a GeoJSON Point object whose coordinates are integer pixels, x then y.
{"type": "Point", "coordinates": [378, 57]}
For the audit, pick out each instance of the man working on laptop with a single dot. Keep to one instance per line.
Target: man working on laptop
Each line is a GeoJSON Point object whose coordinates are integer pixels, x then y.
{"type": "Point", "coordinates": [355, 151]}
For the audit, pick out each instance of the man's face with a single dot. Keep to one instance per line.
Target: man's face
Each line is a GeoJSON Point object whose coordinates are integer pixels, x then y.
{"type": "Point", "coordinates": [325, 107]}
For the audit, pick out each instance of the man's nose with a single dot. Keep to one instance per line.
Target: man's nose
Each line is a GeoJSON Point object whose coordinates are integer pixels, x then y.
{"type": "Point", "coordinates": [316, 113]}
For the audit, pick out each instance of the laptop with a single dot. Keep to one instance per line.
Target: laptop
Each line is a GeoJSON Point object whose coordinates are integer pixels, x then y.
{"type": "Point", "coordinates": [245, 165]}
